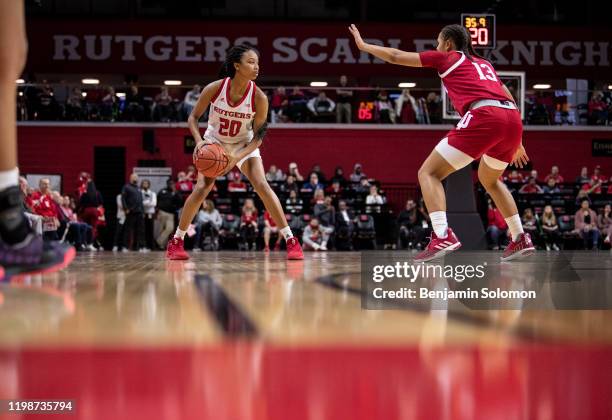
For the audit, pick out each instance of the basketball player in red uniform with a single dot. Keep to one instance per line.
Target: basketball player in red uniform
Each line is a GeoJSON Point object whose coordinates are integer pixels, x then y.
{"type": "Point", "coordinates": [21, 250]}
{"type": "Point", "coordinates": [490, 129]}
{"type": "Point", "coordinates": [237, 122]}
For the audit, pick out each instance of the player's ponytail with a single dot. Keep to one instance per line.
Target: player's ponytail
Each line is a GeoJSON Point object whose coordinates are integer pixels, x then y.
{"type": "Point", "coordinates": [461, 38]}
{"type": "Point", "coordinates": [234, 55]}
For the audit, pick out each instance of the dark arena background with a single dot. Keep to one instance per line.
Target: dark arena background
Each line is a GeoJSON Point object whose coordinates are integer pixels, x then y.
{"type": "Point", "coordinates": [240, 332]}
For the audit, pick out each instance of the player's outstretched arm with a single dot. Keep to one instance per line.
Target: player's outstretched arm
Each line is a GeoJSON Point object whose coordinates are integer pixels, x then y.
{"type": "Point", "coordinates": [198, 110]}
{"type": "Point", "coordinates": [390, 55]}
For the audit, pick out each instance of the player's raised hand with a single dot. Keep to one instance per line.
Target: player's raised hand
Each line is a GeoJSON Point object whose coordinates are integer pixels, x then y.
{"type": "Point", "coordinates": [520, 158]}
{"type": "Point", "coordinates": [358, 41]}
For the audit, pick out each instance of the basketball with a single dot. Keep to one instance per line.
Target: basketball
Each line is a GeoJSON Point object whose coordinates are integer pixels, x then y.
{"type": "Point", "coordinates": [210, 160]}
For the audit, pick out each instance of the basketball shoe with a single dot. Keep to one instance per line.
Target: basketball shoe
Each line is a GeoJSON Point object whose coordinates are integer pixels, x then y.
{"type": "Point", "coordinates": [439, 247]}
{"type": "Point", "coordinates": [176, 250]}
{"type": "Point", "coordinates": [294, 249]}
{"type": "Point", "coordinates": [519, 248]}
{"type": "Point", "coordinates": [34, 256]}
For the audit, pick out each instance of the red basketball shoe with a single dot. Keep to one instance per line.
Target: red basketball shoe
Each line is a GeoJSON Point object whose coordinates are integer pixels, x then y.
{"type": "Point", "coordinates": [176, 250]}
{"type": "Point", "coordinates": [438, 248]}
{"type": "Point", "coordinates": [521, 248]}
{"type": "Point", "coordinates": [294, 249]}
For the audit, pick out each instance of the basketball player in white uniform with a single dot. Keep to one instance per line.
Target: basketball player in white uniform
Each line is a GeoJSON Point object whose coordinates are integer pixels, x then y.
{"type": "Point", "coordinates": [237, 121]}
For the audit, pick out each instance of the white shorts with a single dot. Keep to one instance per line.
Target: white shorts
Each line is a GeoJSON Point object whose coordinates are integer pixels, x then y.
{"type": "Point", "coordinates": [254, 154]}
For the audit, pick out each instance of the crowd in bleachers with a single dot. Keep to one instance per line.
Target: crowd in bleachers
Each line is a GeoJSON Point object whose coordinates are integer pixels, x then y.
{"type": "Point", "coordinates": [46, 102]}
{"type": "Point", "coordinates": [338, 212]}
{"type": "Point", "coordinates": [558, 213]}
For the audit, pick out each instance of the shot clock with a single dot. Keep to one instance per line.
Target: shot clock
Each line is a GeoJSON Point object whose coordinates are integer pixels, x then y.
{"type": "Point", "coordinates": [481, 28]}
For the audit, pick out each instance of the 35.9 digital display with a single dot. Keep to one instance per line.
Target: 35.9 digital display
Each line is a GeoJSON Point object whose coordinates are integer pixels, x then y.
{"type": "Point", "coordinates": [481, 28]}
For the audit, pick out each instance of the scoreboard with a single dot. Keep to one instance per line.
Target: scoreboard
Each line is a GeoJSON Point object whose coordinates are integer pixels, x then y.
{"type": "Point", "coordinates": [481, 28]}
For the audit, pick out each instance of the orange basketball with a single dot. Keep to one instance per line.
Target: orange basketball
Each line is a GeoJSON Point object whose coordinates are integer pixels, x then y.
{"type": "Point", "coordinates": [210, 160]}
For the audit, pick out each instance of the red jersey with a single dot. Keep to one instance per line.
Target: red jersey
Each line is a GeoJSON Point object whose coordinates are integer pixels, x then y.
{"type": "Point", "coordinates": [43, 205]}
{"type": "Point", "coordinates": [466, 81]}
{"type": "Point", "coordinates": [249, 218]}
{"type": "Point", "coordinates": [268, 217]}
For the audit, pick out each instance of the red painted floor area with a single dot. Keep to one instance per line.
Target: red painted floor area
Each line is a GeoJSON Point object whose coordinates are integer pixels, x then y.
{"type": "Point", "coordinates": [244, 380]}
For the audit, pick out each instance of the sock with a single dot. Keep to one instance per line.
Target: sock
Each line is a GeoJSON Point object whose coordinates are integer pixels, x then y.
{"type": "Point", "coordinates": [439, 223]}
{"type": "Point", "coordinates": [9, 179]}
{"type": "Point", "coordinates": [286, 232]}
{"type": "Point", "coordinates": [515, 225]}
{"type": "Point", "coordinates": [14, 226]}
{"type": "Point", "coordinates": [180, 233]}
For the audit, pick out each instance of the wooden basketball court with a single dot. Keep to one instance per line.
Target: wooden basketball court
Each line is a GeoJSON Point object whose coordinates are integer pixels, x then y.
{"type": "Point", "coordinates": [249, 336]}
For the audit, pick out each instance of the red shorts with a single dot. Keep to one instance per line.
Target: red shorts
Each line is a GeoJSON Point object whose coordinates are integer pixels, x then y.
{"type": "Point", "coordinates": [489, 131]}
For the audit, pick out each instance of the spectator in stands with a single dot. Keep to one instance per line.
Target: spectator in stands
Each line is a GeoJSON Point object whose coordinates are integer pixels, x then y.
{"type": "Point", "coordinates": [149, 202]}
{"type": "Point", "coordinates": [551, 187]}
{"type": "Point", "coordinates": [131, 198]}
{"type": "Point", "coordinates": [554, 174]}
{"type": "Point", "coordinates": [531, 187]}
{"type": "Point", "coordinates": [134, 105]}
{"type": "Point", "coordinates": [118, 244]}
{"type": "Point", "coordinates": [515, 177]}
{"type": "Point", "coordinates": [344, 227]}
{"type": "Point", "coordinates": [410, 227]}
{"type": "Point", "coordinates": [344, 97]}
{"type": "Point", "coordinates": [109, 107]}
{"type": "Point", "coordinates": [497, 228]}
{"type": "Point", "coordinates": [530, 225]}
{"type": "Point", "coordinates": [313, 184]}
{"type": "Point", "coordinates": [208, 222]}
{"type": "Point", "coordinates": [598, 109]}
{"type": "Point", "coordinates": [374, 198]}
{"type": "Point", "coordinates": [190, 101]}
{"type": "Point", "coordinates": [357, 174]}
{"type": "Point", "coordinates": [75, 107]}
{"type": "Point", "coordinates": [584, 177]}
{"type": "Point", "coordinates": [168, 204]}
{"type": "Point", "coordinates": [339, 176]}
{"type": "Point", "coordinates": [592, 187]}
{"type": "Point", "coordinates": [47, 108]}
{"type": "Point", "coordinates": [248, 226]}
{"type": "Point", "coordinates": [604, 223]}
{"type": "Point", "coordinates": [77, 233]}
{"type": "Point", "coordinates": [295, 172]}
{"type": "Point", "coordinates": [321, 107]}
{"type": "Point", "coordinates": [334, 190]}
{"type": "Point", "coordinates": [274, 174]}
{"type": "Point", "coordinates": [185, 184]}
{"type": "Point", "coordinates": [314, 238]}
{"type": "Point", "coordinates": [550, 229]}
{"type": "Point", "coordinates": [269, 229]}
{"type": "Point", "coordinates": [290, 185]}
{"type": "Point", "coordinates": [36, 221]}
{"type": "Point", "coordinates": [534, 174]}
{"type": "Point", "coordinates": [318, 197]}
{"type": "Point", "coordinates": [236, 184]}
{"type": "Point", "coordinates": [326, 213]}
{"type": "Point", "coordinates": [585, 224]}
{"type": "Point", "coordinates": [406, 108]}
{"type": "Point", "coordinates": [363, 187]}
{"type": "Point", "coordinates": [383, 107]}
{"type": "Point", "coordinates": [294, 204]}
{"type": "Point", "coordinates": [597, 175]}
{"type": "Point", "coordinates": [434, 108]}
{"type": "Point", "coordinates": [43, 205]}
{"type": "Point", "coordinates": [91, 208]}
{"type": "Point", "coordinates": [279, 105]}
{"type": "Point", "coordinates": [316, 168]}
{"type": "Point", "coordinates": [297, 110]}
{"type": "Point", "coordinates": [582, 195]}
{"type": "Point", "coordinates": [192, 174]}
{"type": "Point", "coordinates": [162, 109]}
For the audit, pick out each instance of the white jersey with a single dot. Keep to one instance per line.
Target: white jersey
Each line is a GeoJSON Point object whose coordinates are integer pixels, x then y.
{"type": "Point", "coordinates": [231, 124]}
